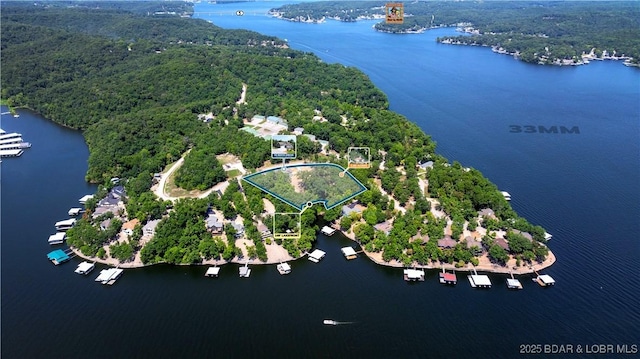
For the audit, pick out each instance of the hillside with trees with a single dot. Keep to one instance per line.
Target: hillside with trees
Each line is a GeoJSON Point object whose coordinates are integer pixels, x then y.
{"type": "Point", "coordinates": [136, 89]}
{"type": "Point", "coordinates": [537, 32]}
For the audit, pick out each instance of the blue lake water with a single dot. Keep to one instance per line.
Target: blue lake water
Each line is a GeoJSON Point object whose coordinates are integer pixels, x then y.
{"type": "Point", "coordinates": [583, 188]}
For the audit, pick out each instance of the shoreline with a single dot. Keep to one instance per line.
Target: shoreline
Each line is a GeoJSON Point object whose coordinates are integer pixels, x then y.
{"type": "Point", "coordinates": [484, 266]}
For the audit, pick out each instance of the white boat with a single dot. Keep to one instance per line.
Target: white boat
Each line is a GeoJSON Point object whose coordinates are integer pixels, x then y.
{"type": "Point", "coordinates": [330, 322]}
{"type": "Point", "coordinates": [57, 238]}
{"type": "Point", "coordinates": [284, 268]}
{"type": "Point", "coordinates": [85, 268]}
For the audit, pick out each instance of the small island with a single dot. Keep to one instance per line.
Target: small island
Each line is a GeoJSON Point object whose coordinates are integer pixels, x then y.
{"type": "Point", "coordinates": [179, 121]}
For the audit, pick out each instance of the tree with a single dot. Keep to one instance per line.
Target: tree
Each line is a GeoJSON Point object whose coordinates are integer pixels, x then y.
{"type": "Point", "coordinates": [498, 254]}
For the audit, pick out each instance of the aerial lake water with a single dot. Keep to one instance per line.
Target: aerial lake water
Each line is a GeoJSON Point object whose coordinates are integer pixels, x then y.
{"type": "Point", "coordinates": [582, 186]}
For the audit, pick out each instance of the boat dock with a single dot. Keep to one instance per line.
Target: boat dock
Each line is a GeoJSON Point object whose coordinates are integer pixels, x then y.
{"type": "Point", "coordinates": [506, 195]}
{"type": "Point", "coordinates": [109, 276]}
{"type": "Point", "coordinates": [349, 253]}
{"type": "Point", "coordinates": [57, 238]}
{"type": "Point", "coordinates": [413, 275]}
{"type": "Point", "coordinates": [65, 225]}
{"type": "Point", "coordinates": [447, 278]}
{"type": "Point", "coordinates": [60, 256]}
{"type": "Point", "coordinates": [513, 283]}
{"type": "Point", "coordinates": [212, 272]}
{"type": "Point", "coordinates": [547, 236]}
{"type": "Point", "coordinates": [544, 280]}
{"type": "Point", "coordinates": [11, 153]}
{"type": "Point", "coordinates": [245, 271]}
{"type": "Point", "coordinates": [75, 211]}
{"type": "Point", "coordinates": [316, 255]}
{"type": "Point", "coordinates": [85, 268]}
{"type": "Point", "coordinates": [328, 231]}
{"type": "Point", "coordinates": [85, 198]}
{"type": "Point", "coordinates": [283, 268]}
{"type": "Point", "coordinates": [12, 144]}
{"type": "Point", "coordinates": [479, 280]}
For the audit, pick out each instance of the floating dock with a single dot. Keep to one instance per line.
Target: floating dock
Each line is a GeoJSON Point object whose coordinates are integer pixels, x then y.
{"type": "Point", "coordinates": [447, 278]}
{"type": "Point", "coordinates": [85, 268]}
{"type": "Point", "coordinates": [413, 275]}
{"type": "Point", "coordinates": [109, 276]}
{"type": "Point", "coordinates": [73, 212]}
{"type": "Point", "coordinates": [212, 272]}
{"type": "Point", "coordinates": [66, 224]}
{"type": "Point", "coordinates": [85, 198]}
{"type": "Point", "coordinates": [479, 280]}
{"type": "Point", "coordinates": [57, 238]}
{"type": "Point", "coordinates": [284, 268]}
{"type": "Point", "coordinates": [328, 231]}
{"type": "Point", "coordinates": [245, 271]}
{"type": "Point", "coordinates": [60, 256]}
{"type": "Point", "coordinates": [513, 283]}
{"type": "Point", "coordinates": [544, 280]}
{"type": "Point", "coordinates": [316, 255]}
{"type": "Point", "coordinates": [11, 153]}
{"type": "Point", "coordinates": [349, 253]}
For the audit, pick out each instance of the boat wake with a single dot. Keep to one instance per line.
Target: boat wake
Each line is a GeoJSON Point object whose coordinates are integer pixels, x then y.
{"type": "Point", "coordinates": [334, 322]}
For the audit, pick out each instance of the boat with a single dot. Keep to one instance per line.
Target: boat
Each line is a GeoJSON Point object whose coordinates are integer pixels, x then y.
{"type": "Point", "coordinates": [284, 268]}
{"type": "Point", "coordinates": [329, 322]}
{"type": "Point", "coordinates": [85, 268]}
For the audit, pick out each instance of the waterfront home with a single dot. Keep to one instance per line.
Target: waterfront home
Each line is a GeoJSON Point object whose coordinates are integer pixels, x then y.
{"type": "Point", "coordinates": [384, 227]}
{"type": "Point", "coordinates": [487, 213]}
{"type": "Point", "coordinates": [298, 131]}
{"type": "Point", "coordinates": [425, 165]}
{"type": "Point", "coordinates": [118, 192]}
{"type": "Point", "coordinates": [239, 227]}
{"type": "Point", "coordinates": [277, 120]}
{"type": "Point", "coordinates": [502, 243]}
{"type": "Point", "coordinates": [104, 225]}
{"type": "Point", "coordinates": [128, 227]}
{"type": "Point", "coordinates": [353, 207]}
{"type": "Point", "coordinates": [149, 229]}
{"type": "Point", "coordinates": [214, 225]}
{"type": "Point", "coordinates": [446, 242]}
{"type": "Point", "coordinates": [472, 242]}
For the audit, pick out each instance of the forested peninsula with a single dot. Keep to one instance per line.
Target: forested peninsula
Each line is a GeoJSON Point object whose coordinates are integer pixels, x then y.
{"type": "Point", "coordinates": [151, 91]}
{"type": "Point", "coordinates": [553, 32]}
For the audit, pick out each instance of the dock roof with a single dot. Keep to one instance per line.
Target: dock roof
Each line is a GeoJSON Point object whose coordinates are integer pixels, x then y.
{"type": "Point", "coordinates": [414, 273]}
{"type": "Point", "coordinates": [348, 251]}
{"type": "Point", "coordinates": [546, 279]}
{"type": "Point", "coordinates": [317, 254]}
{"type": "Point", "coordinates": [58, 256]}
{"type": "Point", "coordinates": [481, 280]}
